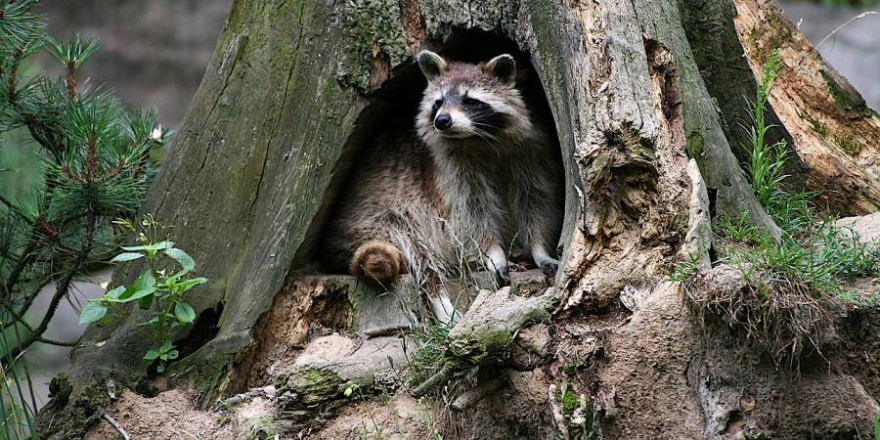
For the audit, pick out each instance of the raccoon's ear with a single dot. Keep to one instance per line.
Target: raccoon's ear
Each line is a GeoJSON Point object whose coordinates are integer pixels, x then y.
{"type": "Point", "coordinates": [431, 64]}
{"type": "Point", "coordinates": [503, 68]}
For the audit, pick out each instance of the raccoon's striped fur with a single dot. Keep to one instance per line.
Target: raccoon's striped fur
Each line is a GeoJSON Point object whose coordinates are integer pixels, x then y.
{"type": "Point", "coordinates": [389, 219]}
{"type": "Point", "coordinates": [498, 169]}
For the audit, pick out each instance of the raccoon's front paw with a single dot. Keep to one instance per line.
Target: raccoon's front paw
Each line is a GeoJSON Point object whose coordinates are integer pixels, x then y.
{"type": "Point", "coordinates": [504, 269]}
{"type": "Point", "coordinates": [549, 266]}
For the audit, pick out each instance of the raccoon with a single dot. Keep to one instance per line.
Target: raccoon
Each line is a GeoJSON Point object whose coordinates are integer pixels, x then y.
{"type": "Point", "coordinates": [498, 168]}
{"type": "Point", "coordinates": [389, 215]}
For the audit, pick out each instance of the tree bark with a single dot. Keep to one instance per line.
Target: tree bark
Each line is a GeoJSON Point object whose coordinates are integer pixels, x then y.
{"type": "Point", "coordinates": [643, 94]}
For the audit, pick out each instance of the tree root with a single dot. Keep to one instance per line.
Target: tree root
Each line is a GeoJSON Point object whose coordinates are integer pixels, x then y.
{"type": "Point", "coordinates": [115, 425]}
{"type": "Point", "coordinates": [486, 333]}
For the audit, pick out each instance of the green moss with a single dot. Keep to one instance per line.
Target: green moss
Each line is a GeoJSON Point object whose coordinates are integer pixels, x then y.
{"type": "Point", "coordinates": [71, 418]}
{"type": "Point", "coordinates": [313, 385]}
{"type": "Point", "coordinates": [696, 146]}
{"type": "Point", "coordinates": [370, 23]}
{"type": "Point", "coordinates": [535, 316]}
{"type": "Point", "coordinates": [848, 145]}
{"type": "Point", "coordinates": [263, 428]}
{"type": "Point", "coordinates": [773, 34]}
{"type": "Point", "coordinates": [845, 98]}
{"type": "Point", "coordinates": [569, 401]}
{"type": "Point", "coordinates": [696, 149]}
{"type": "Point", "coordinates": [816, 127]}
{"type": "Point", "coordinates": [60, 388]}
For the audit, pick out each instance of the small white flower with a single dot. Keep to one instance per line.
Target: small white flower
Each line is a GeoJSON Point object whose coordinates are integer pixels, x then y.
{"type": "Point", "coordinates": [156, 134]}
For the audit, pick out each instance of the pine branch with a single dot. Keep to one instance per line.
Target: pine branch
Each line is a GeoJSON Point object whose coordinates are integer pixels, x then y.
{"type": "Point", "coordinates": [14, 209]}
{"type": "Point", "coordinates": [63, 287]}
{"type": "Point", "coordinates": [58, 343]}
{"type": "Point", "coordinates": [16, 271]}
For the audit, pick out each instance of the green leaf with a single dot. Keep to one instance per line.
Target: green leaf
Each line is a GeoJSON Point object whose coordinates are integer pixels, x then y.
{"type": "Point", "coordinates": [144, 286]}
{"type": "Point", "coordinates": [114, 294]}
{"type": "Point", "coordinates": [145, 281]}
{"type": "Point", "coordinates": [181, 257]}
{"type": "Point", "coordinates": [184, 312]}
{"type": "Point", "coordinates": [166, 347]}
{"type": "Point", "coordinates": [152, 354]}
{"type": "Point", "coordinates": [103, 321]}
{"type": "Point", "coordinates": [173, 354]}
{"type": "Point", "coordinates": [137, 295]}
{"type": "Point", "coordinates": [145, 302]}
{"type": "Point", "coordinates": [190, 283]}
{"type": "Point", "coordinates": [151, 247]}
{"type": "Point", "coordinates": [126, 256]}
{"type": "Point", "coordinates": [160, 368]}
{"type": "Point", "coordinates": [92, 312]}
{"type": "Point", "coordinates": [153, 321]}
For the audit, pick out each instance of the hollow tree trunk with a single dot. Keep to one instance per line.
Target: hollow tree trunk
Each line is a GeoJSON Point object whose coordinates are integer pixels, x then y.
{"type": "Point", "coordinates": [645, 95]}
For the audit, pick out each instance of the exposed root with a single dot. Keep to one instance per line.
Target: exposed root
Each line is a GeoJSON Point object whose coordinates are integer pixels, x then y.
{"type": "Point", "coordinates": [115, 425]}
{"type": "Point", "coordinates": [486, 334]}
{"type": "Point", "coordinates": [782, 315]}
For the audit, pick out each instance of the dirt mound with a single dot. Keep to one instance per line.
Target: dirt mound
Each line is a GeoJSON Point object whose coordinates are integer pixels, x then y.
{"type": "Point", "coordinates": [169, 415]}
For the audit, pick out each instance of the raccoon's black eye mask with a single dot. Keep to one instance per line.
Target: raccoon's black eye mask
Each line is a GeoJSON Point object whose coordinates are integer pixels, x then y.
{"type": "Point", "coordinates": [468, 101]}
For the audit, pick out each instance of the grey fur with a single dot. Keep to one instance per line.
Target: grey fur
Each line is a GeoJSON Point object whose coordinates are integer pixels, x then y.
{"type": "Point", "coordinates": [392, 197]}
{"type": "Point", "coordinates": [504, 188]}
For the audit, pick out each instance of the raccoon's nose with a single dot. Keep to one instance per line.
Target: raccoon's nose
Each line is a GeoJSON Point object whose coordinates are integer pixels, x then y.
{"type": "Point", "coordinates": [443, 121]}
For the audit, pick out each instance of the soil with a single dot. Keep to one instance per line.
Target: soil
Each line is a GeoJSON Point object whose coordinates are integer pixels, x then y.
{"type": "Point", "coordinates": [169, 415]}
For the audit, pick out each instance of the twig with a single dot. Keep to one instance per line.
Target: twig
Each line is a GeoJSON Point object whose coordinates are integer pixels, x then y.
{"type": "Point", "coordinates": [437, 380]}
{"type": "Point", "coordinates": [839, 28]}
{"type": "Point", "coordinates": [243, 397]}
{"type": "Point", "coordinates": [473, 396]}
{"type": "Point", "coordinates": [115, 424]}
{"type": "Point", "coordinates": [57, 343]}
{"type": "Point", "coordinates": [63, 287]}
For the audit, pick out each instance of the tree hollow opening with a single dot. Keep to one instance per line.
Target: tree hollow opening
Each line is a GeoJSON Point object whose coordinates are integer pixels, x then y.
{"type": "Point", "coordinates": [390, 117]}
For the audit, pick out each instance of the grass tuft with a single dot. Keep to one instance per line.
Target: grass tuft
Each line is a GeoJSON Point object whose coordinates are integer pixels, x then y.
{"type": "Point", "coordinates": [785, 293]}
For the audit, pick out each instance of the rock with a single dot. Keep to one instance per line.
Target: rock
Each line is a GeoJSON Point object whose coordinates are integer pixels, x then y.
{"type": "Point", "coordinates": [386, 311]}
{"type": "Point", "coordinates": [866, 226]}
{"type": "Point", "coordinates": [528, 283]}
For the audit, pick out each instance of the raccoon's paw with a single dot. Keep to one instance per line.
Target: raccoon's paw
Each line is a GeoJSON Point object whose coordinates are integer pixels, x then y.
{"type": "Point", "coordinates": [377, 260]}
{"type": "Point", "coordinates": [504, 269]}
{"type": "Point", "coordinates": [548, 265]}
{"type": "Point", "coordinates": [550, 268]}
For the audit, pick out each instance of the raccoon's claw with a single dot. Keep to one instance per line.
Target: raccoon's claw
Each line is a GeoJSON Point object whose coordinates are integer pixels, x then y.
{"type": "Point", "coordinates": [504, 270]}
{"type": "Point", "coordinates": [516, 267]}
{"type": "Point", "coordinates": [550, 268]}
{"type": "Point", "coordinates": [548, 265]}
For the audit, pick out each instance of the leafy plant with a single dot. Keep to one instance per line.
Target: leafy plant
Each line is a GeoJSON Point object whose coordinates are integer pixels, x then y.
{"type": "Point", "coordinates": [812, 248]}
{"type": "Point", "coordinates": [72, 159]}
{"type": "Point", "coordinates": [95, 166]}
{"type": "Point", "coordinates": [792, 284]}
{"type": "Point", "coordinates": [157, 288]}
{"type": "Point", "coordinates": [682, 271]}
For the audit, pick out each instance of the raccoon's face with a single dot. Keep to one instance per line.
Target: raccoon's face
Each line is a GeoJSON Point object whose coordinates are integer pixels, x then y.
{"type": "Point", "coordinates": [470, 100]}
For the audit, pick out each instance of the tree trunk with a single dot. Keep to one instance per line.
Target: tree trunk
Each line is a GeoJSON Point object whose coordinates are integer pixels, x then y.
{"type": "Point", "coordinates": [646, 96]}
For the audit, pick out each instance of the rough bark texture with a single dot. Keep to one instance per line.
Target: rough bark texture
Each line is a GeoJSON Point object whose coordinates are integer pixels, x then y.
{"type": "Point", "coordinates": [835, 134]}
{"type": "Point", "coordinates": [295, 87]}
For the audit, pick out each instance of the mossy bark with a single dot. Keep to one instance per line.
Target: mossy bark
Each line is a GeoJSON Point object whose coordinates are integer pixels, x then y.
{"type": "Point", "coordinates": [289, 98]}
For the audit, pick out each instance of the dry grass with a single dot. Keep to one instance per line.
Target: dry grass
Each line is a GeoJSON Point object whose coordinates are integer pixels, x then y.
{"type": "Point", "coordinates": [783, 315]}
